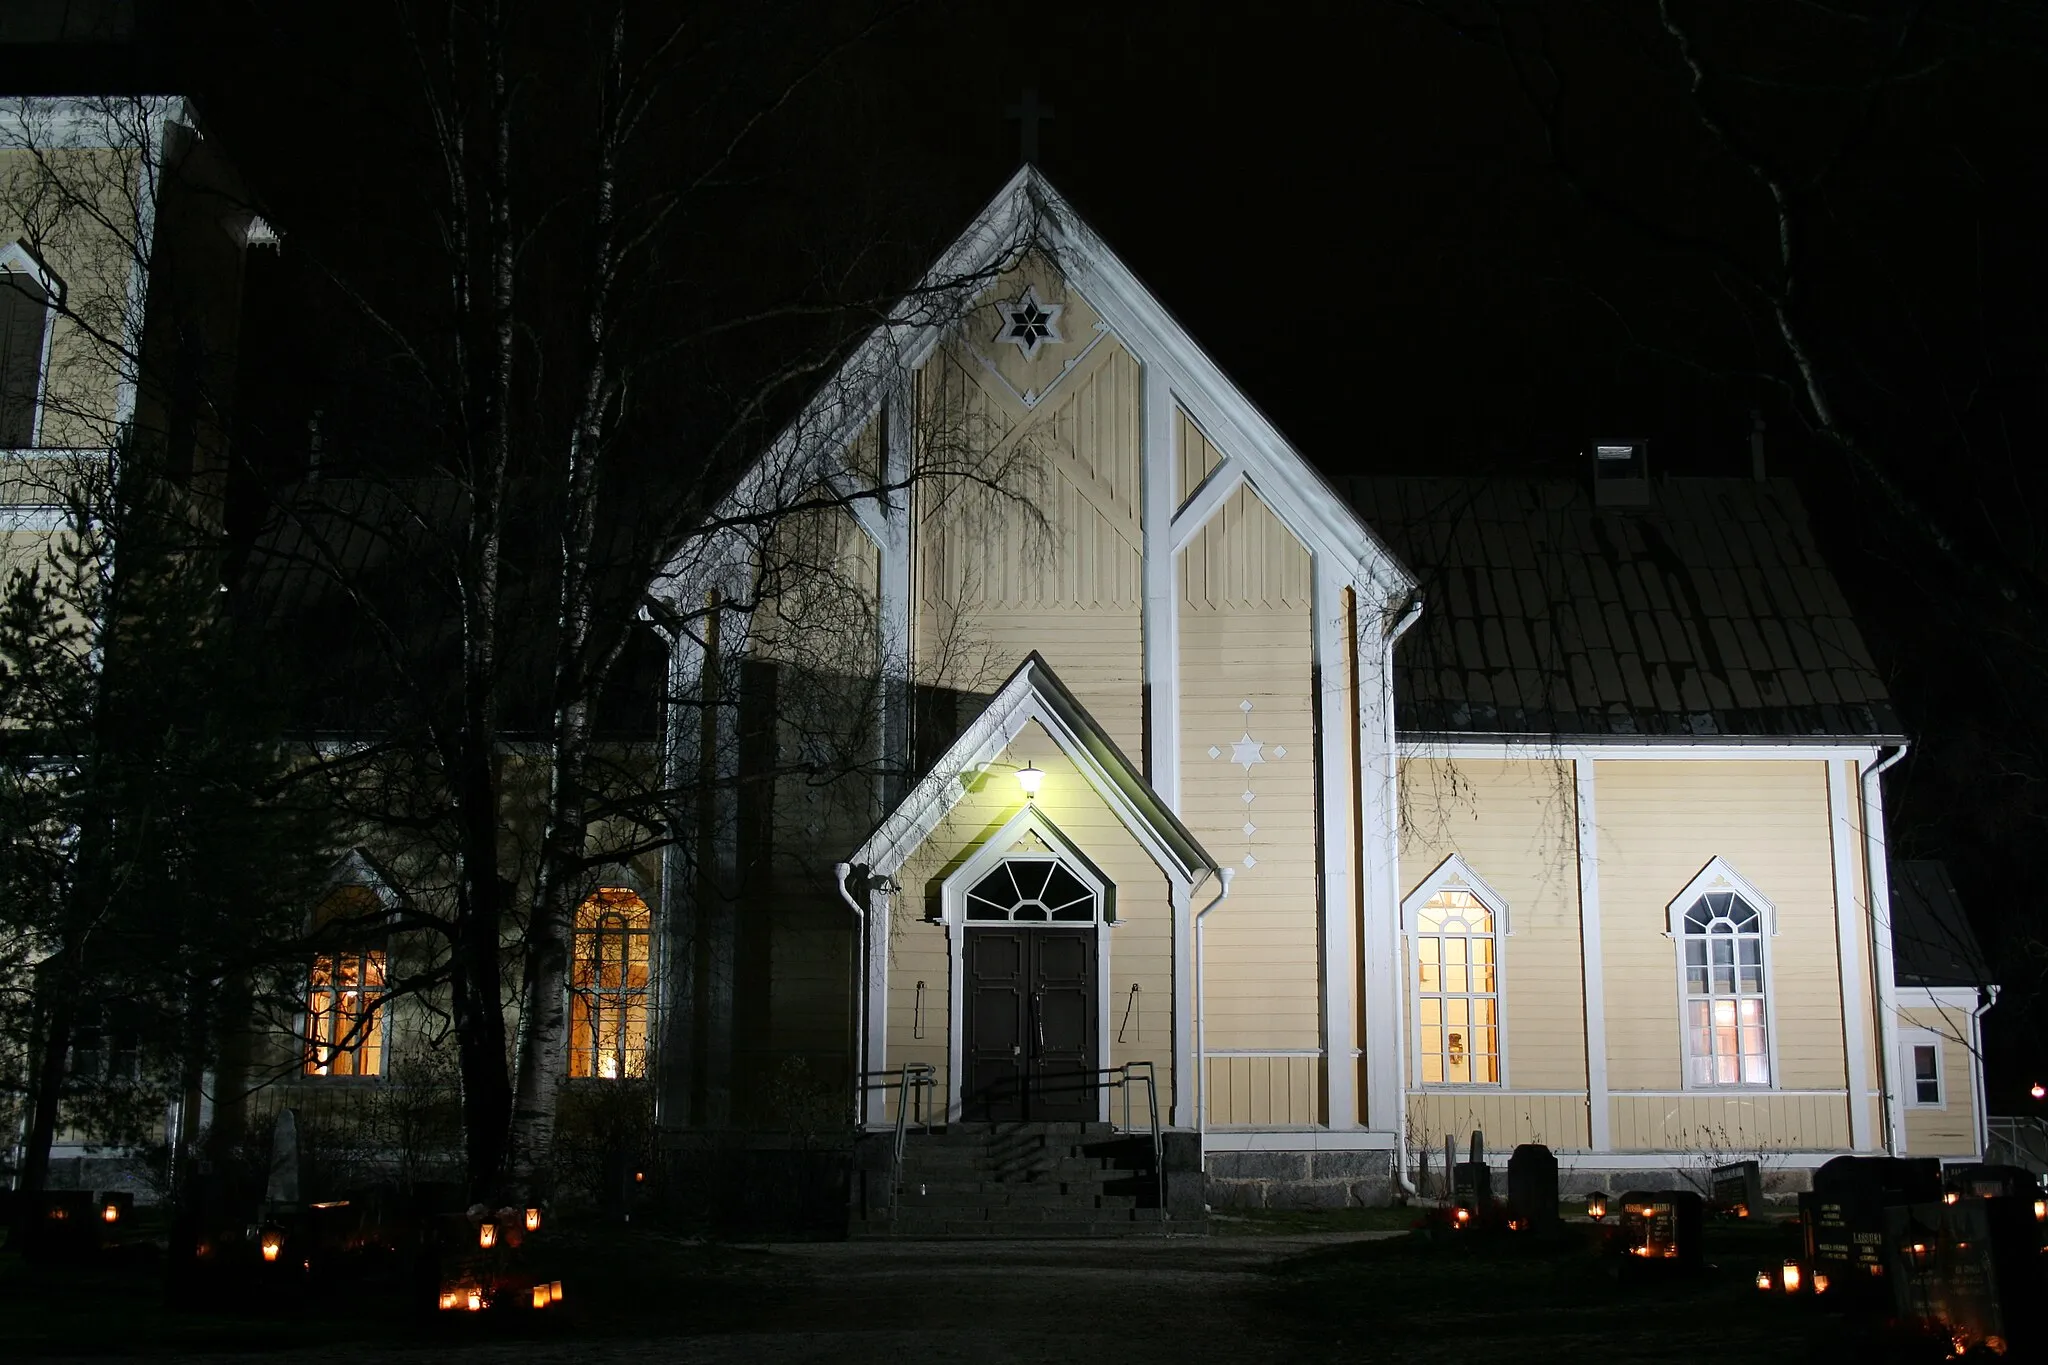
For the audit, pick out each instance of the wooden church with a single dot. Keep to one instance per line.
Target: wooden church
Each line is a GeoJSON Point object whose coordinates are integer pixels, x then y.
{"type": "Point", "coordinates": [1337, 820]}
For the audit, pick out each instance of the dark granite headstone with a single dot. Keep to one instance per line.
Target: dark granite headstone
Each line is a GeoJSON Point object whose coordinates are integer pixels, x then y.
{"type": "Point", "coordinates": [1662, 1228]}
{"type": "Point", "coordinates": [1472, 1186]}
{"type": "Point", "coordinates": [1972, 1268]}
{"type": "Point", "coordinates": [1986, 1182]}
{"type": "Point", "coordinates": [1738, 1189]}
{"type": "Point", "coordinates": [1532, 1187]}
{"type": "Point", "coordinates": [1844, 1218]}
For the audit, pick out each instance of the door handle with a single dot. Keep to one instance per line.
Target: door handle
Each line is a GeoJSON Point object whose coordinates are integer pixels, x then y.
{"type": "Point", "coordinates": [1038, 1017]}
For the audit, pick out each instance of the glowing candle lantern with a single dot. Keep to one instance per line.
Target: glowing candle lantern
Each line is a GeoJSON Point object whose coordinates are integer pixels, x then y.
{"type": "Point", "coordinates": [533, 1220]}
{"type": "Point", "coordinates": [487, 1235]}
{"type": "Point", "coordinates": [1763, 1279]}
{"type": "Point", "coordinates": [1950, 1197]}
{"type": "Point", "coordinates": [272, 1241]}
{"type": "Point", "coordinates": [450, 1299]}
{"type": "Point", "coordinates": [541, 1297]}
{"type": "Point", "coordinates": [2041, 1210]}
{"type": "Point", "coordinates": [555, 1290]}
{"type": "Point", "coordinates": [2038, 1091]}
{"type": "Point", "coordinates": [1596, 1207]}
{"type": "Point", "coordinates": [474, 1301]}
{"type": "Point", "coordinates": [1792, 1277]}
{"type": "Point", "coordinates": [639, 1177]}
{"type": "Point", "coordinates": [1820, 1283]}
{"type": "Point", "coordinates": [1463, 1216]}
{"type": "Point", "coordinates": [110, 1213]}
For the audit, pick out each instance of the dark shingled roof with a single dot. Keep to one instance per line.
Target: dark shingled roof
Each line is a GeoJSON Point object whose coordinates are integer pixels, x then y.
{"type": "Point", "coordinates": [1931, 940]}
{"type": "Point", "coordinates": [1707, 614]}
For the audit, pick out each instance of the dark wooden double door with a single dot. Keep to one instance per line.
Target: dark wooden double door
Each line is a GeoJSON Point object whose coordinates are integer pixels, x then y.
{"type": "Point", "coordinates": [1030, 1025]}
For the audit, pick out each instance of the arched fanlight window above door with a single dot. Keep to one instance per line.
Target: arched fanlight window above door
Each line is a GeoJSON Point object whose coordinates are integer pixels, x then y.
{"type": "Point", "coordinates": [1032, 890]}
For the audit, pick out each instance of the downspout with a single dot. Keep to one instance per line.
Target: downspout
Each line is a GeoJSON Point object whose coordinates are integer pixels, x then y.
{"type": "Point", "coordinates": [1987, 996]}
{"type": "Point", "coordinates": [1876, 875]}
{"type": "Point", "coordinates": [1393, 805]}
{"type": "Point", "coordinates": [840, 872]}
{"type": "Point", "coordinates": [1225, 875]}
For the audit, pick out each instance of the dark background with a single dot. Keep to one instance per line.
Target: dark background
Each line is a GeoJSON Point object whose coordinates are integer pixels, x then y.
{"type": "Point", "coordinates": [1411, 259]}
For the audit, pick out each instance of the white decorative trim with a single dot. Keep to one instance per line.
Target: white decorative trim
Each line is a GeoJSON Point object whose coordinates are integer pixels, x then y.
{"type": "Point", "coordinates": [1337, 884]}
{"type": "Point", "coordinates": [1218, 486]}
{"type": "Point", "coordinates": [1878, 887]}
{"type": "Point", "coordinates": [1029, 323]}
{"type": "Point", "coordinates": [1719, 875]}
{"type": "Point", "coordinates": [1849, 952]}
{"type": "Point", "coordinates": [1185, 1067]}
{"type": "Point", "coordinates": [880, 930]}
{"type": "Point", "coordinates": [1454, 874]}
{"type": "Point", "coordinates": [1592, 955]}
{"type": "Point", "coordinates": [1908, 1039]}
{"type": "Point", "coordinates": [1161, 622]}
{"type": "Point", "coordinates": [1023, 700]}
{"type": "Point", "coordinates": [1383, 964]}
{"type": "Point", "coordinates": [1622, 748]}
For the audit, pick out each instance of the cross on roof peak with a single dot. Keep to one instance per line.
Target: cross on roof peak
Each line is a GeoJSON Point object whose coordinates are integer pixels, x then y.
{"type": "Point", "coordinates": [1028, 113]}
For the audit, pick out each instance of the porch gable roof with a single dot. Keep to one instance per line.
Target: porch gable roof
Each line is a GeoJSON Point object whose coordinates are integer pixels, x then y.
{"type": "Point", "coordinates": [1035, 693]}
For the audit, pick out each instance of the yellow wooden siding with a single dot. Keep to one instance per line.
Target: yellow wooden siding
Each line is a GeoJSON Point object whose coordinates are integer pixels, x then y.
{"type": "Point", "coordinates": [1951, 1128]}
{"type": "Point", "coordinates": [1659, 824]}
{"type": "Point", "coordinates": [1504, 1117]}
{"type": "Point", "coordinates": [1265, 1091]}
{"type": "Point", "coordinates": [1515, 824]}
{"type": "Point", "coordinates": [817, 595]}
{"type": "Point", "coordinates": [1245, 637]}
{"type": "Point", "coordinates": [1194, 457]}
{"type": "Point", "coordinates": [1137, 948]}
{"type": "Point", "coordinates": [1730, 1124]}
{"type": "Point", "coordinates": [996, 581]}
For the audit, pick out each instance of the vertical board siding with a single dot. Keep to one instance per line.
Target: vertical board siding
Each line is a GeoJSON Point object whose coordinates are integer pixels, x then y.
{"type": "Point", "coordinates": [1259, 1092]}
{"type": "Point", "coordinates": [1514, 824]}
{"type": "Point", "coordinates": [1137, 949]}
{"type": "Point", "coordinates": [1245, 637]}
{"type": "Point", "coordinates": [1951, 1129]}
{"type": "Point", "coordinates": [1659, 825]}
{"type": "Point", "coordinates": [1050, 562]}
{"type": "Point", "coordinates": [1194, 457]}
{"type": "Point", "coordinates": [1730, 1124]}
{"type": "Point", "coordinates": [1505, 1118]}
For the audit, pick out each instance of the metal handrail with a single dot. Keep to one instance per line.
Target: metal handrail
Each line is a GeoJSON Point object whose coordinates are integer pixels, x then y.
{"type": "Point", "coordinates": [2024, 1137]}
{"type": "Point", "coordinates": [1127, 1075]}
{"type": "Point", "coordinates": [914, 1083]}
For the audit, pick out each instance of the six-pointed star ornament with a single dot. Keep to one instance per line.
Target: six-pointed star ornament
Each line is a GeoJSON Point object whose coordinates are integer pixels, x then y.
{"type": "Point", "coordinates": [1028, 323]}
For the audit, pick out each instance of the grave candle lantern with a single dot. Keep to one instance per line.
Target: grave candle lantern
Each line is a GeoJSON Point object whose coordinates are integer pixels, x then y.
{"type": "Point", "coordinates": [272, 1241]}
{"type": "Point", "coordinates": [1462, 1217]}
{"type": "Point", "coordinates": [541, 1297]}
{"type": "Point", "coordinates": [1763, 1279]}
{"type": "Point", "coordinates": [533, 1220]}
{"type": "Point", "coordinates": [2041, 1210]}
{"type": "Point", "coordinates": [1596, 1207]}
{"type": "Point", "coordinates": [1791, 1277]}
{"type": "Point", "coordinates": [474, 1301]}
{"type": "Point", "coordinates": [487, 1235]}
{"type": "Point", "coordinates": [1820, 1283]}
{"type": "Point", "coordinates": [555, 1291]}
{"type": "Point", "coordinates": [110, 1212]}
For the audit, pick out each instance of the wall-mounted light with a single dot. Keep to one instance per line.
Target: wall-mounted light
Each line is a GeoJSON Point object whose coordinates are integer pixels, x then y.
{"type": "Point", "coordinates": [1028, 777]}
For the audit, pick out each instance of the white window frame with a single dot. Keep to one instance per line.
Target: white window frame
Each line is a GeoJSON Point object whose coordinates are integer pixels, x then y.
{"type": "Point", "coordinates": [1719, 875]}
{"type": "Point", "coordinates": [1910, 1038]}
{"type": "Point", "coordinates": [16, 259]}
{"type": "Point", "coordinates": [1455, 874]}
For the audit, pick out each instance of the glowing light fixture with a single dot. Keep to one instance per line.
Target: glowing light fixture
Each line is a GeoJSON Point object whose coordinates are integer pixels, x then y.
{"type": "Point", "coordinates": [2041, 1210]}
{"type": "Point", "coordinates": [110, 1213]}
{"type": "Point", "coordinates": [1792, 1277]}
{"type": "Point", "coordinates": [533, 1220]}
{"type": "Point", "coordinates": [1029, 777]}
{"type": "Point", "coordinates": [1596, 1207]}
{"type": "Point", "coordinates": [487, 1235]}
{"type": "Point", "coordinates": [2038, 1091]}
{"type": "Point", "coordinates": [1763, 1279]}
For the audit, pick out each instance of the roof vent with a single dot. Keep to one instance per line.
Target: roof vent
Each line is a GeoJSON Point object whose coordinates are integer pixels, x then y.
{"type": "Point", "coordinates": [1621, 474]}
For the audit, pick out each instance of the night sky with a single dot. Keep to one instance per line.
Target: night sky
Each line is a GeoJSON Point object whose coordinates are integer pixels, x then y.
{"type": "Point", "coordinates": [1356, 209]}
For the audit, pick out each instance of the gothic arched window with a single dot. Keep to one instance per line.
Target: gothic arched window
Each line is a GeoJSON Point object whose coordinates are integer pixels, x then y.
{"type": "Point", "coordinates": [608, 986]}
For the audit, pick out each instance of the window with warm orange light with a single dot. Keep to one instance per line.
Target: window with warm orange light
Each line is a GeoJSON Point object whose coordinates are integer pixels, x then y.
{"type": "Point", "coordinates": [344, 1036]}
{"type": "Point", "coordinates": [1725, 1038]}
{"type": "Point", "coordinates": [608, 986]}
{"type": "Point", "coordinates": [1457, 999]}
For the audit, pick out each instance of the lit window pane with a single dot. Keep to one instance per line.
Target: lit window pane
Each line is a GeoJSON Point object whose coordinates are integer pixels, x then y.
{"type": "Point", "coordinates": [1456, 1009]}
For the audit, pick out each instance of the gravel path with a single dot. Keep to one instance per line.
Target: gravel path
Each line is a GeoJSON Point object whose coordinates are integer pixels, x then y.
{"type": "Point", "coordinates": [1131, 1301]}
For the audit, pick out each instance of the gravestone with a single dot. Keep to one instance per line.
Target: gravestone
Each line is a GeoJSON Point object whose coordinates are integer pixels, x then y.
{"type": "Point", "coordinates": [1987, 1182]}
{"type": "Point", "coordinates": [1472, 1182]}
{"type": "Point", "coordinates": [1532, 1187]}
{"type": "Point", "coordinates": [1661, 1228]}
{"type": "Point", "coordinates": [1971, 1268]}
{"type": "Point", "coordinates": [1738, 1188]}
{"type": "Point", "coordinates": [1844, 1218]}
{"type": "Point", "coordinates": [282, 1188]}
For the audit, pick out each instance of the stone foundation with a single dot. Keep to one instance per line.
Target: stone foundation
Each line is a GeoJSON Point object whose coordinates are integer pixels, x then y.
{"type": "Point", "coordinates": [1300, 1180]}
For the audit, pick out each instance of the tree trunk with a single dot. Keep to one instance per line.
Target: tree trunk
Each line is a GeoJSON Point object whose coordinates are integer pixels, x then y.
{"type": "Point", "coordinates": [46, 1095]}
